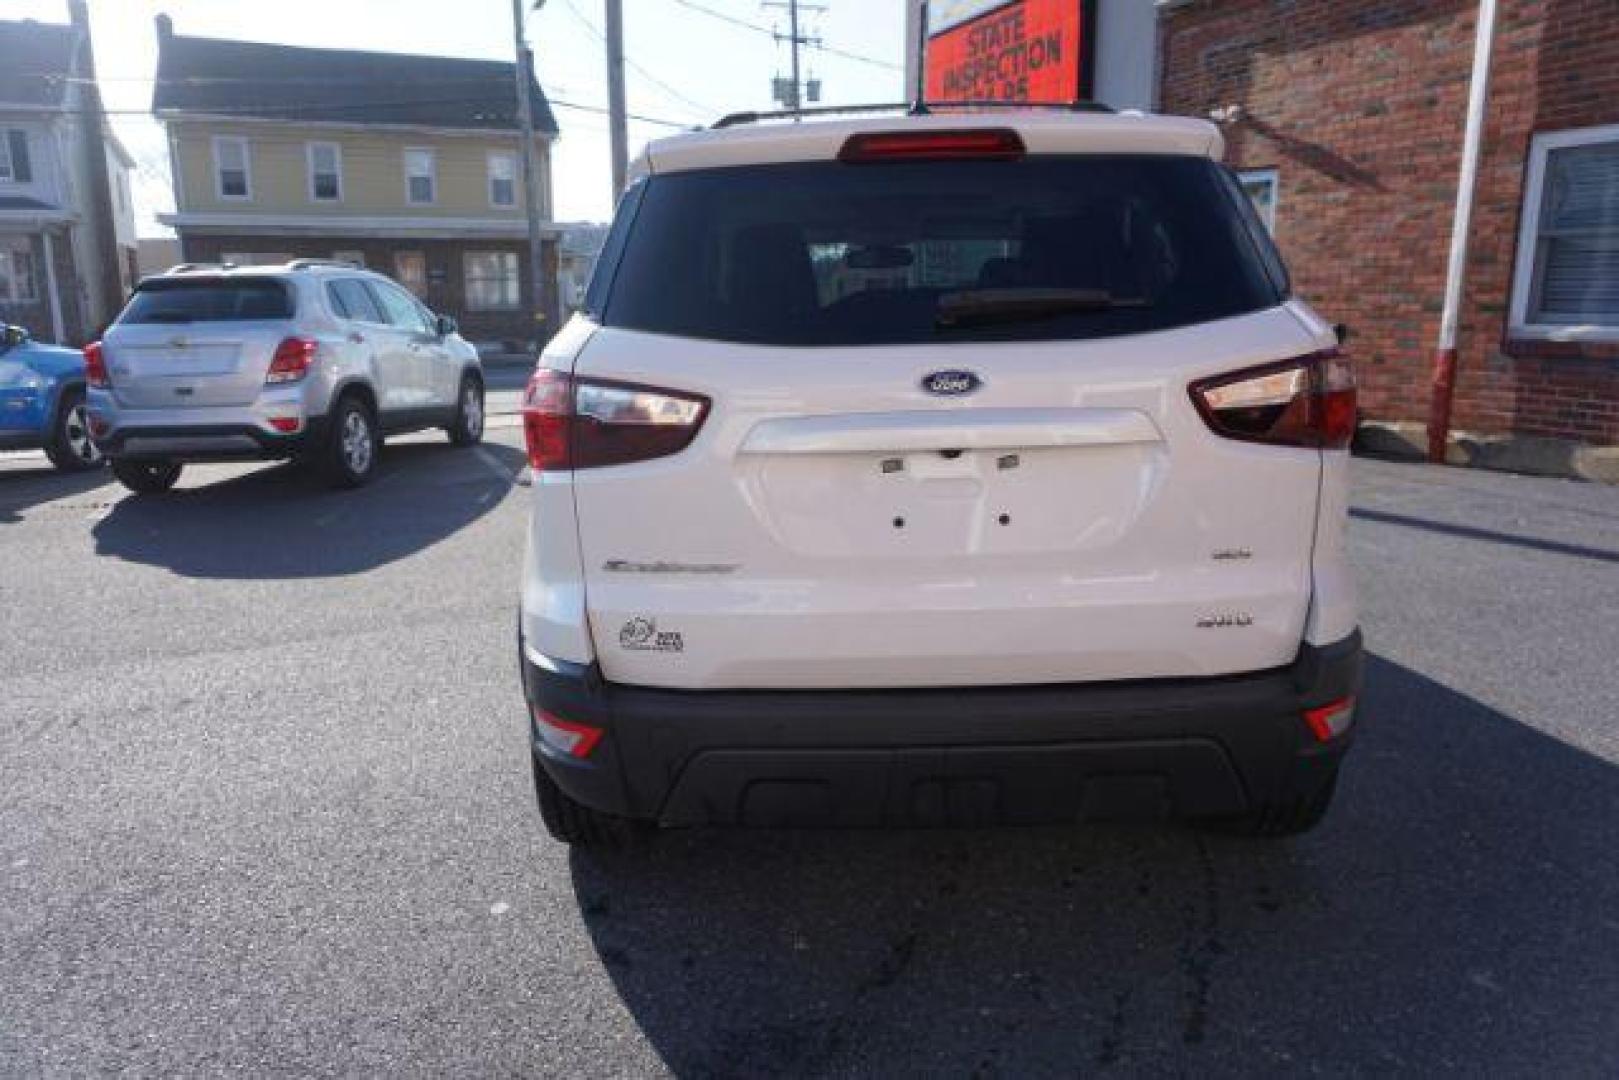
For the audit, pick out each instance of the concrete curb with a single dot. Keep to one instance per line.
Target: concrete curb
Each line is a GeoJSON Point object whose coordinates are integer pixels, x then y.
{"type": "Point", "coordinates": [1531, 455]}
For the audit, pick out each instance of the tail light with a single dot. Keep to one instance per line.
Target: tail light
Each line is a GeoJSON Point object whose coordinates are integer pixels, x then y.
{"type": "Point", "coordinates": [1309, 401]}
{"type": "Point", "coordinates": [95, 366]}
{"type": "Point", "coordinates": [973, 144]}
{"type": "Point", "coordinates": [1330, 721]}
{"type": "Point", "coordinates": [574, 423]}
{"type": "Point", "coordinates": [568, 738]}
{"type": "Point", "coordinates": [293, 358]}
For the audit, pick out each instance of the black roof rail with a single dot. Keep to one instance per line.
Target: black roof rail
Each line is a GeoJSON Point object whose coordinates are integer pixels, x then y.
{"type": "Point", "coordinates": [914, 108]}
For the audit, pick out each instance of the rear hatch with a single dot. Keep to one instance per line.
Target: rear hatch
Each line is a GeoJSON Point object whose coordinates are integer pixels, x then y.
{"type": "Point", "coordinates": [197, 341]}
{"type": "Point", "coordinates": [939, 428]}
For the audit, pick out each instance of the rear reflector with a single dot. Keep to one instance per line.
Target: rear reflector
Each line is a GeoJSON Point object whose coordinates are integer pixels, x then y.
{"type": "Point", "coordinates": [1309, 401]}
{"type": "Point", "coordinates": [95, 366]}
{"type": "Point", "coordinates": [573, 423]}
{"type": "Point", "coordinates": [1330, 721]}
{"type": "Point", "coordinates": [980, 144]}
{"type": "Point", "coordinates": [292, 361]}
{"type": "Point", "coordinates": [568, 738]}
{"type": "Point", "coordinates": [286, 424]}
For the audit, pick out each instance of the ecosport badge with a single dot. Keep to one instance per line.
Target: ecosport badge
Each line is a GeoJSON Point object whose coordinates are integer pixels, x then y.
{"type": "Point", "coordinates": [951, 383]}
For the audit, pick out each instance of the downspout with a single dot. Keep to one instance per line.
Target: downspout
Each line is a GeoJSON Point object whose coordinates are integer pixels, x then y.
{"type": "Point", "coordinates": [1444, 357]}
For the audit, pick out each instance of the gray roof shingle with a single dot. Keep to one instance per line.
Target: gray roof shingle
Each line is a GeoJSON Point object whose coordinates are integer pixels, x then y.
{"type": "Point", "coordinates": [287, 82]}
{"type": "Point", "coordinates": [38, 57]}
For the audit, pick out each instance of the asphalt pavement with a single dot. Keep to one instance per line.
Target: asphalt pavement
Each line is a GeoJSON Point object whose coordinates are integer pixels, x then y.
{"type": "Point", "coordinates": [265, 808]}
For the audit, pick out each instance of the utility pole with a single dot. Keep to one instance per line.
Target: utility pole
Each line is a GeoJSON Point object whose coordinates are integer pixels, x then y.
{"type": "Point", "coordinates": [108, 294]}
{"type": "Point", "coordinates": [543, 296]}
{"type": "Point", "coordinates": [793, 97]}
{"type": "Point", "coordinates": [617, 129]}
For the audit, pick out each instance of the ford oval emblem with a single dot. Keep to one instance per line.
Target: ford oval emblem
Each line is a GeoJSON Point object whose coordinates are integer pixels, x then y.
{"type": "Point", "coordinates": [951, 383]}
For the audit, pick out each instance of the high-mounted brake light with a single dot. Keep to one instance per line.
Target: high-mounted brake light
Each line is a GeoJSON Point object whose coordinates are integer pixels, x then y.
{"type": "Point", "coordinates": [973, 144]}
{"type": "Point", "coordinates": [1309, 401]}
{"type": "Point", "coordinates": [293, 358]}
{"type": "Point", "coordinates": [572, 423]}
{"type": "Point", "coordinates": [95, 366]}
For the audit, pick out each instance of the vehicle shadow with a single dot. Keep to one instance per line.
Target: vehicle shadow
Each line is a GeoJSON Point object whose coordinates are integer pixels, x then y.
{"type": "Point", "coordinates": [25, 484]}
{"type": "Point", "coordinates": [1459, 911]}
{"type": "Point", "coordinates": [282, 522]}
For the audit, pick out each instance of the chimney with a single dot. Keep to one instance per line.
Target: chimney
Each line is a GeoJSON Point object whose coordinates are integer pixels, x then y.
{"type": "Point", "coordinates": [165, 27]}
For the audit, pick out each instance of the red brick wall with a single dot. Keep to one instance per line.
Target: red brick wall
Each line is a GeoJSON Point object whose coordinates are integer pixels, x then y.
{"type": "Point", "coordinates": [1360, 105]}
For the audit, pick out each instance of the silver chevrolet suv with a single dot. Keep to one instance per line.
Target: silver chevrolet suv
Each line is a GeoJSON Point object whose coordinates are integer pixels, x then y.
{"type": "Point", "coordinates": [315, 360]}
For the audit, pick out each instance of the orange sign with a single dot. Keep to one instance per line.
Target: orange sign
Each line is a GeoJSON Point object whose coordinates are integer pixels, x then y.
{"type": "Point", "coordinates": [1029, 50]}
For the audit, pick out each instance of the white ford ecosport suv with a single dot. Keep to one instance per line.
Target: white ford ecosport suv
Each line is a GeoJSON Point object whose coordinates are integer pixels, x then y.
{"type": "Point", "coordinates": [942, 469]}
{"type": "Point", "coordinates": [316, 360]}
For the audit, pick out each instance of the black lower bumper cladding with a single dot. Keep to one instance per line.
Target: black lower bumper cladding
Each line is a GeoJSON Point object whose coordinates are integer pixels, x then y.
{"type": "Point", "coordinates": [949, 756]}
{"type": "Point", "coordinates": [238, 442]}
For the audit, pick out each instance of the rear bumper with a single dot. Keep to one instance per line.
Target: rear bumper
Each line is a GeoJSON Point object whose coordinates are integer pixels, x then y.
{"type": "Point", "coordinates": [1025, 754]}
{"type": "Point", "coordinates": [209, 442]}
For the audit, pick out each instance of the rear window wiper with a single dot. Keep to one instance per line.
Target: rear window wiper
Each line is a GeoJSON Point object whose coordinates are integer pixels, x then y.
{"type": "Point", "coordinates": [972, 307]}
{"type": "Point", "coordinates": [167, 317]}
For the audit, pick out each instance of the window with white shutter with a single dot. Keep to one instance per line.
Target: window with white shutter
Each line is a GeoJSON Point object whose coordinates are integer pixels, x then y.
{"type": "Point", "coordinates": [1567, 280]}
{"type": "Point", "coordinates": [421, 177]}
{"type": "Point", "coordinates": [232, 179]}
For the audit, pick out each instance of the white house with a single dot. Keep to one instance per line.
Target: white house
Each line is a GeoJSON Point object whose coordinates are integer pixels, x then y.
{"type": "Point", "coordinates": [67, 224]}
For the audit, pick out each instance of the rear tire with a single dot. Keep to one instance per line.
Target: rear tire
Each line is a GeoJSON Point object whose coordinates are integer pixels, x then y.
{"type": "Point", "coordinates": [575, 824]}
{"type": "Point", "coordinates": [350, 456]}
{"type": "Point", "coordinates": [467, 427]}
{"type": "Point", "coordinates": [146, 477]}
{"type": "Point", "coordinates": [71, 449]}
{"type": "Point", "coordinates": [1285, 817]}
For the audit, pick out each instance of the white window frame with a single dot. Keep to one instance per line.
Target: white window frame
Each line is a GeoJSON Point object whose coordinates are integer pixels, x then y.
{"type": "Point", "coordinates": [309, 168]}
{"type": "Point", "coordinates": [517, 279]}
{"type": "Point", "coordinates": [432, 173]}
{"type": "Point", "coordinates": [219, 170]}
{"type": "Point", "coordinates": [499, 155]}
{"type": "Point", "coordinates": [12, 293]}
{"type": "Point", "coordinates": [1523, 272]}
{"type": "Point", "coordinates": [1273, 177]}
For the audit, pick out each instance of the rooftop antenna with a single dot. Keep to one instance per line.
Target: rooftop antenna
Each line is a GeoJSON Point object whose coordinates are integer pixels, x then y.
{"type": "Point", "coordinates": [919, 102]}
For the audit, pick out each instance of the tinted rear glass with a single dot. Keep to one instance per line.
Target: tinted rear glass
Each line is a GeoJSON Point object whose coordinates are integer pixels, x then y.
{"type": "Point", "coordinates": [825, 253]}
{"type": "Point", "coordinates": [208, 300]}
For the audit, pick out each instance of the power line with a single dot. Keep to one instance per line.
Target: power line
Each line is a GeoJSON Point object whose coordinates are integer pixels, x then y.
{"type": "Point", "coordinates": [706, 110]}
{"type": "Point", "coordinates": [819, 46]}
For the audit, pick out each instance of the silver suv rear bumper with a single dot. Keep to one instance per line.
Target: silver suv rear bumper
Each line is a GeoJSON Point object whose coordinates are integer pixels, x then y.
{"type": "Point", "coordinates": [224, 433]}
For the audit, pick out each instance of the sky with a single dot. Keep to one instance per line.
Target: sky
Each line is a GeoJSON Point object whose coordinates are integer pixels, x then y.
{"type": "Point", "coordinates": [685, 66]}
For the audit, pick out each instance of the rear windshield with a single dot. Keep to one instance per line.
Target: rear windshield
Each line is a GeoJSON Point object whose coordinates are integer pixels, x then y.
{"type": "Point", "coordinates": [824, 253]}
{"type": "Point", "coordinates": [179, 300]}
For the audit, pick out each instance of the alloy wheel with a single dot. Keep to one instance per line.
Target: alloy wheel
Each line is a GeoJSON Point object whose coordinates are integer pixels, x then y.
{"type": "Point", "coordinates": [357, 443]}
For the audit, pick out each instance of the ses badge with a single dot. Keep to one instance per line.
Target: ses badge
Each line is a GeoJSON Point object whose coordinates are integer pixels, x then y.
{"type": "Point", "coordinates": [642, 635]}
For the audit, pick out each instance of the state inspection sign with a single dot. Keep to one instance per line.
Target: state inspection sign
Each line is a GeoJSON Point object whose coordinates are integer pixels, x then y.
{"type": "Point", "coordinates": [1026, 50]}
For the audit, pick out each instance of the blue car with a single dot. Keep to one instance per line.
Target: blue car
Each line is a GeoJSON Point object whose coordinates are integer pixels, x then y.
{"type": "Point", "coordinates": [42, 401]}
